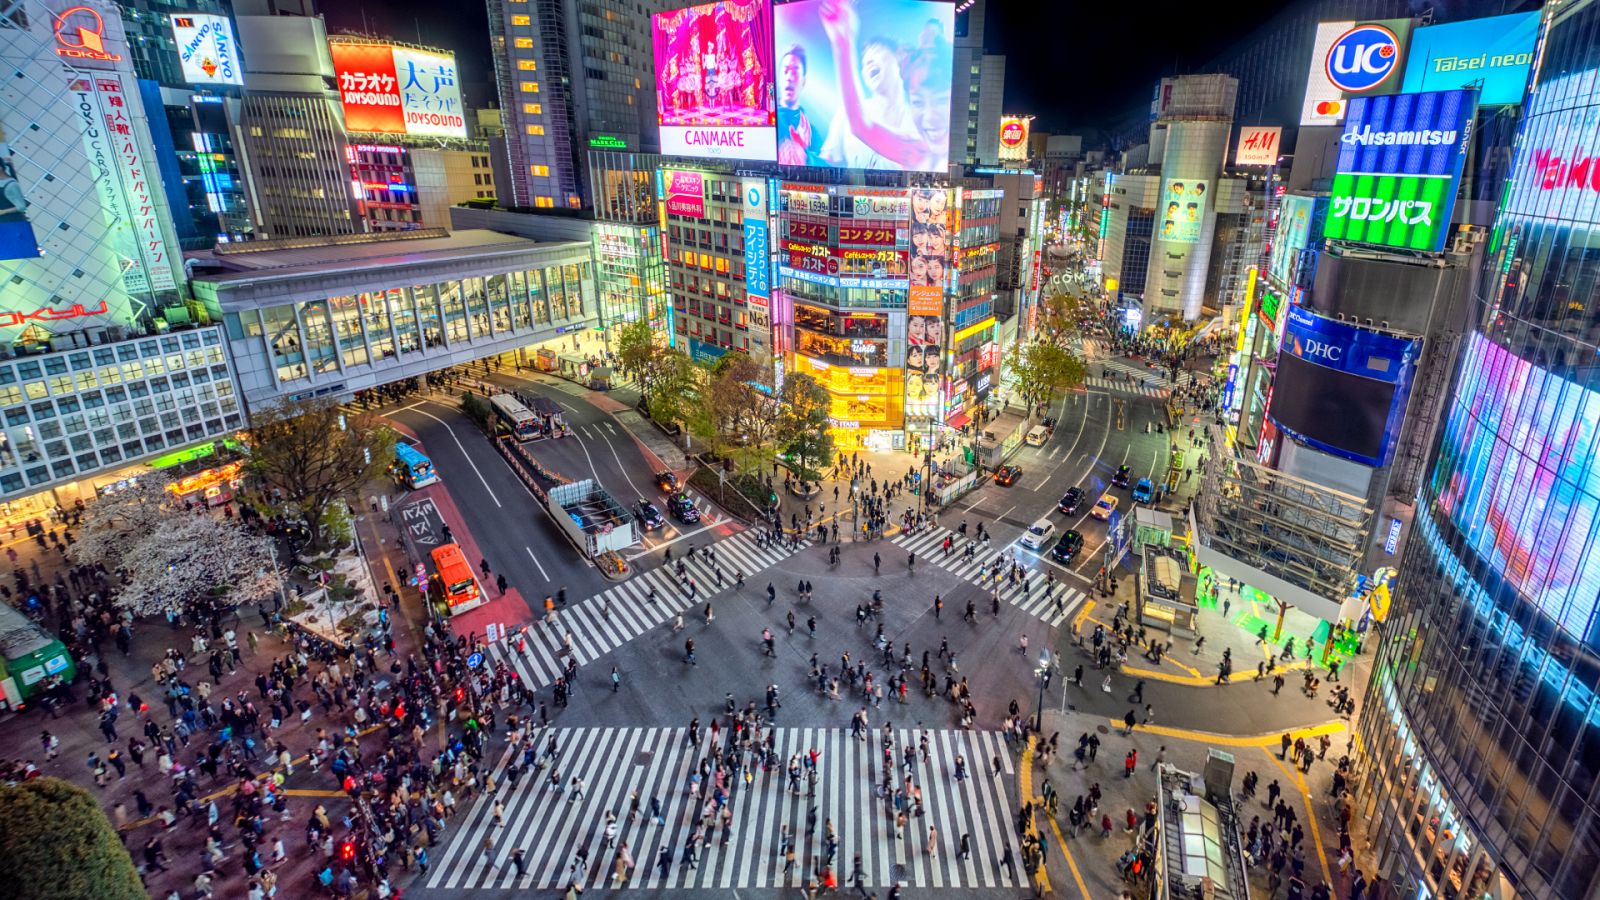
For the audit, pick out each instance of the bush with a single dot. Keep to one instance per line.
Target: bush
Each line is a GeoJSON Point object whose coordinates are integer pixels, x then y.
{"type": "Point", "coordinates": [59, 845]}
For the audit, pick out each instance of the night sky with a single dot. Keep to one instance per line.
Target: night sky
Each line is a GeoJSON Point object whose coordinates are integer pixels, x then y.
{"type": "Point", "coordinates": [1056, 70]}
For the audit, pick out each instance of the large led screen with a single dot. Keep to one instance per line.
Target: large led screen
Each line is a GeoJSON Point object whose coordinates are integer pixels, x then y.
{"type": "Point", "coordinates": [1518, 475]}
{"type": "Point", "coordinates": [1340, 388]}
{"type": "Point", "coordinates": [1493, 54]}
{"type": "Point", "coordinates": [1400, 161]}
{"type": "Point", "coordinates": [1293, 235]}
{"type": "Point", "coordinates": [714, 80]}
{"type": "Point", "coordinates": [865, 85]}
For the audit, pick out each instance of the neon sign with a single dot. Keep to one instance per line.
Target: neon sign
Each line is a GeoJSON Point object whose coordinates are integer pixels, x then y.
{"type": "Point", "coordinates": [86, 38]}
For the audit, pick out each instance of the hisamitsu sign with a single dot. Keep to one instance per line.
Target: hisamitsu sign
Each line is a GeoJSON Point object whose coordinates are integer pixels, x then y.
{"type": "Point", "coordinates": [1400, 162]}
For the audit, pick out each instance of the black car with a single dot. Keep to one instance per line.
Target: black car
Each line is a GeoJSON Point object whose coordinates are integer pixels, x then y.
{"type": "Point", "coordinates": [1006, 476]}
{"type": "Point", "coordinates": [1122, 477]}
{"type": "Point", "coordinates": [1067, 547]}
{"type": "Point", "coordinates": [667, 481]}
{"type": "Point", "coordinates": [650, 516]}
{"type": "Point", "coordinates": [1071, 500]}
{"type": "Point", "coordinates": [683, 509]}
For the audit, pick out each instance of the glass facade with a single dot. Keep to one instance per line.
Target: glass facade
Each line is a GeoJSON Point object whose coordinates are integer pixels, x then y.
{"type": "Point", "coordinates": [1482, 728]}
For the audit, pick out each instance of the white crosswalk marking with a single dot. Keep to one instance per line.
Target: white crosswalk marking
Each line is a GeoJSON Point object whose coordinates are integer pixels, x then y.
{"type": "Point", "coordinates": [1053, 610]}
{"type": "Point", "coordinates": [1121, 386]}
{"type": "Point", "coordinates": [555, 828]}
{"type": "Point", "coordinates": [594, 632]}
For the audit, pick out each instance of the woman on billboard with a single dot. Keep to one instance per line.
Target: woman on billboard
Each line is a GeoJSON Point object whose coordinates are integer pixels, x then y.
{"type": "Point", "coordinates": [884, 120]}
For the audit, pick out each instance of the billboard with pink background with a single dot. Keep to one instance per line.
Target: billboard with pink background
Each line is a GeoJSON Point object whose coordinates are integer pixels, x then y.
{"type": "Point", "coordinates": [714, 94]}
{"type": "Point", "coordinates": [686, 194]}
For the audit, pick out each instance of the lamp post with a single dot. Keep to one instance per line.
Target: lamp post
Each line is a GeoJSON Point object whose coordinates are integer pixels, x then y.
{"type": "Point", "coordinates": [1044, 681]}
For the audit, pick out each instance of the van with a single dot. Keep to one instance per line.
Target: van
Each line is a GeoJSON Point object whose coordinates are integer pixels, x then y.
{"type": "Point", "coordinates": [1037, 435]}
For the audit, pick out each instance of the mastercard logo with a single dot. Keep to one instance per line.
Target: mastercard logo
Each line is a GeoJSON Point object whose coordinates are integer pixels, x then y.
{"type": "Point", "coordinates": [1330, 107]}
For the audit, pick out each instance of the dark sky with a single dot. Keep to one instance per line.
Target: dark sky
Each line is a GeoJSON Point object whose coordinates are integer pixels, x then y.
{"type": "Point", "coordinates": [1080, 68]}
{"type": "Point", "coordinates": [1086, 64]}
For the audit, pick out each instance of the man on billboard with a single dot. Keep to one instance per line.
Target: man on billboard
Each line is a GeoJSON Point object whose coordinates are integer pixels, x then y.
{"type": "Point", "coordinates": [800, 134]}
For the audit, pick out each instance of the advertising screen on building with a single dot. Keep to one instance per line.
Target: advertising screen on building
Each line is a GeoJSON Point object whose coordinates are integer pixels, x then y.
{"type": "Point", "coordinates": [864, 86]}
{"type": "Point", "coordinates": [1014, 137]}
{"type": "Point", "coordinates": [1352, 58]}
{"type": "Point", "coordinates": [714, 80]}
{"type": "Point", "coordinates": [1556, 178]}
{"type": "Point", "coordinates": [1340, 388]}
{"type": "Point", "coordinates": [16, 232]}
{"type": "Point", "coordinates": [1400, 160]}
{"type": "Point", "coordinates": [1492, 54]}
{"type": "Point", "coordinates": [757, 243]}
{"type": "Point", "coordinates": [686, 194]}
{"type": "Point", "coordinates": [1294, 227]}
{"type": "Point", "coordinates": [1182, 215]}
{"type": "Point", "coordinates": [386, 89]}
{"type": "Point", "coordinates": [207, 50]}
{"type": "Point", "coordinates": [1258, 145]}
{"type": "Point", "coordinates": [930, 249]}
{"type": "Point", "coordinates": [1518, 475]}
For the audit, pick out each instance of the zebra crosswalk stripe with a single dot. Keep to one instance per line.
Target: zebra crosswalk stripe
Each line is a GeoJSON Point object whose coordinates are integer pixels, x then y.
{"type": "Point", "coordinates": [929, 544]}
{"type": "Point", "coordinates": [595, 632]}
{"type": "Point", "coordinates": [554, 828]}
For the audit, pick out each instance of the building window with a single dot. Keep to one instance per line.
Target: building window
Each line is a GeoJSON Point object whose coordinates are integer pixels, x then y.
{"type": "Point", "coordinates": [530, 87]}
{"type": "Point", "coordinates": [533, 109]}
{"type": "Point", "coordinates": [527, 65]}
{"type": "Point", "coordinates": [522, 20]}
{"type": "Point", "coordinates": [541, 171]}
{"type": "Point", "coordinates": [544, 202]}
{"type": "Point", "coordinates": [523, 43]}
{"type": "Point", "coordinates": [536, 129]}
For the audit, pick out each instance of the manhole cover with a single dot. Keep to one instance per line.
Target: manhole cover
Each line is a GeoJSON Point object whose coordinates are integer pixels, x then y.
{"type": "Point", "coordinates": [643, 756]}
{"type": "Point", "coordinates": [1102, 729]}
{"type": "Point", "coordinates": [897, 873]}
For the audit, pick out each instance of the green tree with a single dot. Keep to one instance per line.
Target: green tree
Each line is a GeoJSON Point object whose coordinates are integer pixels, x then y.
{"type": "Point", "coordinates": [312, 452]}
{"type": "Point", "coordinates": [58, 845]}
{"type": "Point", "coordinates": [1043, 369]}
{"type": "Point", "coordinates": [803, 428]}
{"type": "Point", "coordinates": [665, 375]}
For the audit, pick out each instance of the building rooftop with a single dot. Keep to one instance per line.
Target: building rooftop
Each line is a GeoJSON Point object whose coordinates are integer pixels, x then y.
{"type": "Point", "coordinates": [1201, 853]}
{"type": "Point", "coordinates": [297, 258]}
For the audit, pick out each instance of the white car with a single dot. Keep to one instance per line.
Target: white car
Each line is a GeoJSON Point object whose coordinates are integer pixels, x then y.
{"type": "Point", "coordinates": [1038, 535]}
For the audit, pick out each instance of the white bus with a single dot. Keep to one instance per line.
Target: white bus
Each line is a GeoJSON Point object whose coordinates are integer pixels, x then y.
{"type": "Point", "coordinates": [523, 425]}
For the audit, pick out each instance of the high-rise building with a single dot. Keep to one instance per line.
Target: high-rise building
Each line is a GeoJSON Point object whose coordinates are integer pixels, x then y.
{"type": "Point", "coordinates": [289, 134]}
{"type": "Point", "coordinates": [404, 188]}
{"type": "Point", "coordinates": [1482, 770]}
{"type": "Point", "coordinates": [571, 75]}
{"type": "Point", "coordinates": [977, 91]}
{"type": "Point", "coordinates": [104, 359]}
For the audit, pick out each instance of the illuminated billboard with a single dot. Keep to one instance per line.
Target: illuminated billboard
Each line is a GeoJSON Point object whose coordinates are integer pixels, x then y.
{"type": "Point", "coordinates": [685, 195]}
{"type": "Point", "coordinates": [1183, 209]}
{"type": "Point", "coordinates": [1294, 228]}
{"type": "Point", "coordinates": [1352, 58]}
{"type": "Point", "coordinates": [1339, 388]}
{"type": "Point", "coordinates": [865, 86]}
{"type": "Point", "coordinates": [931, 249]}
{"type": "Point", "coordinates": [1517, 473]}
{"type": "Point", "coordinates": [386, 89]}
{"type": "Point", "coordinates": [208, 53]}
{"type": "Point", "coordinates": [1014, 137]}
{"type": "Point", "coordinates": [1492, 54]}
{"type": "Point", "coordinates": [714, 80]}
{"type": "Point", "coordinates": [1258, 145]}
{"type": "Point", "coordinates": [1400, 159]}
{"type": "Point", "coordinates": [1556, 176]}
{"type": "Point", "coordinates": [757, 242]}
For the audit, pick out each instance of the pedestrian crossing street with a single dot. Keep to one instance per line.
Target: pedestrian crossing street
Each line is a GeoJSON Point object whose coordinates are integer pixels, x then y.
{"type": "Point", "coordinates": [1122, 386]}
{"type": "Point", "coordinates": [928, 545]}
{"type": "Point", "coordinates": [596, 632]}
{"type": "Point", "coordinates": [551, 827]}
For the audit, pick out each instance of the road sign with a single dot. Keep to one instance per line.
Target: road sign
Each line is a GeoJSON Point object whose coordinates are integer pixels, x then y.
{"type": "Point", "coordinates": [422, 575]}
{"type": "Point", "coordinates": [475, 660]}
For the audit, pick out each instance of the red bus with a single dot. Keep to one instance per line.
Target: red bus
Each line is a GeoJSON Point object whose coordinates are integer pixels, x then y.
{"type": "Point", "coordinates": [456, 581]}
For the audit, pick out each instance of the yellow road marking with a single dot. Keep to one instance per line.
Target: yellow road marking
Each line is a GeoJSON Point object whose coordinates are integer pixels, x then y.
{"type": "Point", "coordinates": [1025, 791]}
{"type": "Point", "coordinates": [1311, 814]}
{"type": "Point", "coordinates": [1077, 621]}
{"type": "Point", "coordinates": [1231, 740]}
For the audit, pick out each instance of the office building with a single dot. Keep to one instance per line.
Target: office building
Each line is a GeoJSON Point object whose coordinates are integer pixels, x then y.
{"type": "Point", "coordinates": [289, 135]}
{"type": "Point", "coordinates": [404, 188]}
{"type": "Point", "coordinates": [714, 285]}
{"type": "Point", "coordinates": [571, 76]}
{"type": "Point", "coordinates": [104, 361]}
{"type": "Point", "coordinates": [1480, 771]}
{"type": "Point", "coordinates": [977, 91]}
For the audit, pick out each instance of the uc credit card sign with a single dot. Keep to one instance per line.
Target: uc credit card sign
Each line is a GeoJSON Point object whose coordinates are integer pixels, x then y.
{"type": "Point", "coordinates": [1400, 162]}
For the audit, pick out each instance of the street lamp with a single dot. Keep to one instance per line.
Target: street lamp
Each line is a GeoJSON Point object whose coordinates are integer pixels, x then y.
{"type": "Point", "coordinates": [1044, 681]}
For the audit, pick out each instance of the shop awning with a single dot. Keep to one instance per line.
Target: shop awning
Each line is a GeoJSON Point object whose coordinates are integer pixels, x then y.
{"type": "Point", "coordinates": [959, 420]}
